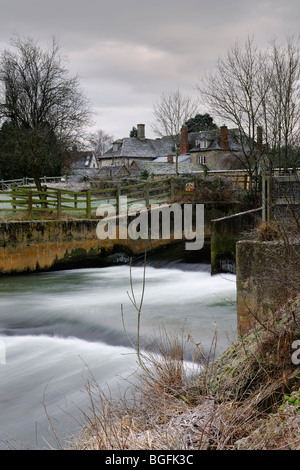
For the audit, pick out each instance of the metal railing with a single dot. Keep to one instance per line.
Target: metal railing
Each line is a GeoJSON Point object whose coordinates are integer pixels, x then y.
{"type": "Point", "coordinates": [279, 190]}
{"type": "Point", "coordinates": [7, 184]}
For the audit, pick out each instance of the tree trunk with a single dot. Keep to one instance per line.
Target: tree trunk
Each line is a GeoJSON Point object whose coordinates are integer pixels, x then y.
{"type": "Point", "coordinates": [37, 182]}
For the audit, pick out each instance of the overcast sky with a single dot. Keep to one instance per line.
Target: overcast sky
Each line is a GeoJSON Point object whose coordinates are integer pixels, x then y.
{"type": "Point", "coordinates": [128, 53]}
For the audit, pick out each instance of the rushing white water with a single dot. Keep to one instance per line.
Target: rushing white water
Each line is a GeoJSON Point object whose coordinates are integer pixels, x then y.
{"type": "Point", "coordinates": [59, 327]}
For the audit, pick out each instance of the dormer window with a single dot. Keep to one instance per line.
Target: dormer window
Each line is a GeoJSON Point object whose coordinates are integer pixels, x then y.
{"type": "Point", "coordinates": [202, 143]}
{"type": "Point", "coordinates": [116, 145]}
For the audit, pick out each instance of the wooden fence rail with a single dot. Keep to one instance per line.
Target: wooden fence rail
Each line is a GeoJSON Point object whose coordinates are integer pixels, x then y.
{"type": "Point", "coordinates": [81, 203]}
{"type": "Point", "coordinates": [37, 204]}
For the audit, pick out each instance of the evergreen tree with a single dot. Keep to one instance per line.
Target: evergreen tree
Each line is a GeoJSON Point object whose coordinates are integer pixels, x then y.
{"type": "Point", "coordinates": [201, 122]}
{"type": "Point", "coordinates": [133, 132]}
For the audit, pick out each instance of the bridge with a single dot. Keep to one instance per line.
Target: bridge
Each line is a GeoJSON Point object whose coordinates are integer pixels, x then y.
{"type": "Point", "coordinates": [58, 228]}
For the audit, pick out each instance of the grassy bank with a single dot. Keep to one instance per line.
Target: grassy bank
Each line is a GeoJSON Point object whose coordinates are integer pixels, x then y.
{"type": "Point", "coordinates": [248, 398]}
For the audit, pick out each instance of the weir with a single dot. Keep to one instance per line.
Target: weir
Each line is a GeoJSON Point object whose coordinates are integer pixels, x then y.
{"type": "Point", "coordinates": [53, 245]}
{"type": "Point", "coordinates": [45, 245]}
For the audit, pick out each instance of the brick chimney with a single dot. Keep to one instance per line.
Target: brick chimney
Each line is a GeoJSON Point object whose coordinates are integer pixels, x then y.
{"type": "Point", "coordinates": [170, 159]}
{"type": "Point", "coordinates": [184, 140]}
{"type": "Point", "coordinates": [224, 138]}
{"type": "Point", "coordinates": [259, 133]}
{"type": "Point", "coordinates": [141, 131]}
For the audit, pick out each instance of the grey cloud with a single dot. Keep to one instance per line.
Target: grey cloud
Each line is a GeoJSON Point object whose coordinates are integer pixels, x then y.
{"type": "Point", "coordinates": [127, 53]}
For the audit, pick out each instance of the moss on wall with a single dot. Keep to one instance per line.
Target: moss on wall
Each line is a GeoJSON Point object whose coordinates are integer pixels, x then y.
{"type": "Point", "coordinates": [263, 281]}
{"type": "Point", "coordinates": [27, 246]}
{"type": "Point", "coordinates": [225, 232]}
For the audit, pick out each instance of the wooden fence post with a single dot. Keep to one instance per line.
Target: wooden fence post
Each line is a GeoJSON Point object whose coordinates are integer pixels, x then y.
{"type": "Point", "coordinates": [172, 187]}
{"type": "Point", "coordinates": [118, 197]}
{"type": "Point", "coordinates": [264, 198]}
{"type": "Point", "coordinates": [147, 194]}
{"type": "Point", "coordinates": [88, 205]}
{"type": "Point", "coordinates": [44, 197]}
{"type": "Point", "coordinates": [30, 212]}
{"type": "Point", "coordinates": [13, 197]}
{"type": "Point", "coordinates": [58, 205]}
{"type": "Point", "coordinates": [269, 199]}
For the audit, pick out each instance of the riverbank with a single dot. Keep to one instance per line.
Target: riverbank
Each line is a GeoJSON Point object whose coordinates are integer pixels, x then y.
{"type": "Point", "coordinates": [246, 399]}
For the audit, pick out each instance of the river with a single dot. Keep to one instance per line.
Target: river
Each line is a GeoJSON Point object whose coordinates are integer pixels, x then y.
{"type": "Point", "coordinates": [58, 328]}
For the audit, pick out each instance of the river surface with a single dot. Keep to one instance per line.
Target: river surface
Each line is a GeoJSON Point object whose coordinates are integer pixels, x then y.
{"type": "Point", "coordinates": [59, 328]}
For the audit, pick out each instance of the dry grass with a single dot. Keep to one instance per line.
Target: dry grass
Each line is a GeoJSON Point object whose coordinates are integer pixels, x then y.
{"type": "Point", "coordinates": [239, 400]}
{"type": "Point", "coordinates": [234, 402]}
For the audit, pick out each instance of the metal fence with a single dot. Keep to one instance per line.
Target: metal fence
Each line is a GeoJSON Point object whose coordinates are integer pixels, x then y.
{"type": "Point", "coordinates": [279, 190]}
{"type": "Point", "coordinates": [7, 184]}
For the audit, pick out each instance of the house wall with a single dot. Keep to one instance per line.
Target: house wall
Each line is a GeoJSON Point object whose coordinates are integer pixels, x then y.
{"type": "Point", "coordinates": [106, 162]}
{"type": "Point", "coordinates": [91, 172]}
{"type": "Point", "coordinates": [212, 159]}
{"type": "Point", "coordinates": [127, 161]}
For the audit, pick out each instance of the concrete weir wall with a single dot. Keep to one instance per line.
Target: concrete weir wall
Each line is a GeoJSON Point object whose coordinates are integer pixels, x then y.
{"type": "Point", "coordinates": [27, 246]}
{"type": "Point", "coordinates": [59, 244]}
{"type": "Point", "coordinates": [225, 232]}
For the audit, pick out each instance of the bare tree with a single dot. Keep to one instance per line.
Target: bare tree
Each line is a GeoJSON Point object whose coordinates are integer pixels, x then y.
{"type": "Point", "coordinates": [100, 141]}
{"type": "Point", "coordinates": [235, 91]}
{"type": "Point", "coordinates": [171, 112]}
{"type": "Point", "coordinates": [251, 88]}
{"type": "Point", "coordinates": [281, 106]}
{"type": "Point", "coordinates": [45, 106]}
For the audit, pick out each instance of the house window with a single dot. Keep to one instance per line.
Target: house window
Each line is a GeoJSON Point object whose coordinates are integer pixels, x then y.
{"type": "Point", "coordinates": [202, 143]}
{"type": "Point", "coordinates": [202, 159]}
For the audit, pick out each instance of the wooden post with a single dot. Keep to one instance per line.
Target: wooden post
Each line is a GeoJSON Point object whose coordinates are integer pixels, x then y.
{"type": "Point", "coordinates": [44, 197]}
{"type": "Point", "coordinates": [30, 213]}
{"type": "Point", "coordinates": [58, 206]}
{"type": "Point", "coordinates": [13, 197]}
{"type": "Point", "coordinates": [264, 199]}
{"type": "Point", "coordinates": [75, 201]}
{"type": "Point", "coordinates": [147, 194]}
{"type": "Point", "coordinates": [172, 187]}
{"type": "Point", "coordinates": [118, 196]}
{"type": "Point", "coordinates": [88, 205]}
{"type": "Point", "coordinates": [269, 199]}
